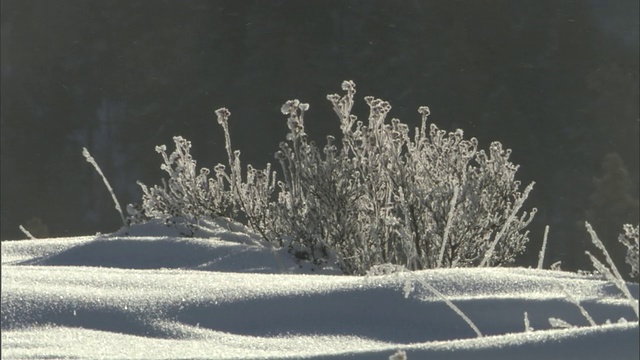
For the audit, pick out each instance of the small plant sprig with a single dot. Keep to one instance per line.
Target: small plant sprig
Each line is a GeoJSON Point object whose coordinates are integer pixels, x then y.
{"type": "Point", "coordinates": [187, 193]}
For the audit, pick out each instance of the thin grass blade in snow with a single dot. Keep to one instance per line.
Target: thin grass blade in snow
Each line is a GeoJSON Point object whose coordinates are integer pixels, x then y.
{"type": "Point", "coordinates": [613, 275]}
{"type": "Point", "coordinates": [575, 301]}
{"type": "Point", "coordinates": [93, 162]}
{"type": "Point", "coordinates": [452, 306]}
{"type": "Point", "coordinates": [544, 247]}
{"type": "Point", "coordinates": [516, 207]}
{"type": "Point", "coordinates": [26, 232]}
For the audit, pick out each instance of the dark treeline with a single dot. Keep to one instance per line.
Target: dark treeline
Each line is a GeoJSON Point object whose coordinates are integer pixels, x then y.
{"type": "Point", "coordinates": [556, 81]}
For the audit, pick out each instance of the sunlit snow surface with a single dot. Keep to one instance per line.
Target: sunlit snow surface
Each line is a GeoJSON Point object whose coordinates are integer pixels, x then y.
{"type": "Point", "coordinates": [145, 293]}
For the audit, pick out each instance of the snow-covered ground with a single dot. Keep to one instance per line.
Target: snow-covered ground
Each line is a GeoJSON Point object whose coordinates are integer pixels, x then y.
{"type": "Point", "coordinates": [146, 293]}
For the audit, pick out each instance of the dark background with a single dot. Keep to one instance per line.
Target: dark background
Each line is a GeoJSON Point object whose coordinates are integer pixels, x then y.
{"type": "Point", "coordinates": [556, 81]}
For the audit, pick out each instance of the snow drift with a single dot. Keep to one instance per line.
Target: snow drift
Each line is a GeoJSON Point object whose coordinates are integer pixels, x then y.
{"type": "Point", "coordinates": [148, 293]}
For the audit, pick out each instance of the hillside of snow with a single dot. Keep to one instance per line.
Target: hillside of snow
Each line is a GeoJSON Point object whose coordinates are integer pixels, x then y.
{"type": "Point", "coordinates": [148, 292]}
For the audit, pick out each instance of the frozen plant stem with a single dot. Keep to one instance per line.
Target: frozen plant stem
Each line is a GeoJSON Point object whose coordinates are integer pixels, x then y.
{"type": "Point", "coordinates": [445, 237]}
{"type": "Point", "coordinates": [505, 227]}
{"type": "Point", "coordinates": [614, 277]}
{"type": "Point", "coordinates": [575, 301]}
{"type": "Point", "coordinates": [26, 232]}
{"type": "Point", "coordinates": [452, 306]}
{"type": "Point", "coordinates": [527, 324]}
{"type": "Point", "coordinates": [93, 162]}
{"type": "Point", "coordinates": [544, 248]}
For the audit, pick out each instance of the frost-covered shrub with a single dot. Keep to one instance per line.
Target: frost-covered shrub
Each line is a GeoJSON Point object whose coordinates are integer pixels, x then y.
{"type": "Point", "coordinates": [191, 195]}
{"type": "Point", "coordinates": [378, 195]}
{"type": "Point", "coordinates": [630, 239]}
{"type": "Point", "coordinates": [381, 196]}
{"type": "Point", "coordinates": [187, 193]}
{"type": "Point", "coordinates": [250, 196]}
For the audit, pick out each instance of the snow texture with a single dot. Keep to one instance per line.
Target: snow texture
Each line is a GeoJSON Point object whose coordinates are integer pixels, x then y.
{"type": "Point", "coordinates": [148, 293]}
